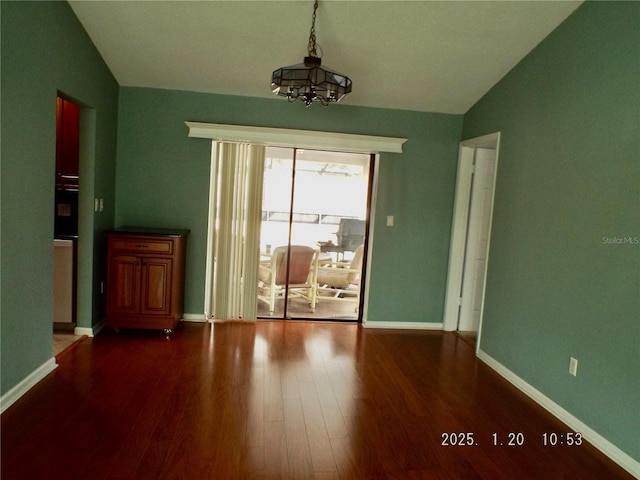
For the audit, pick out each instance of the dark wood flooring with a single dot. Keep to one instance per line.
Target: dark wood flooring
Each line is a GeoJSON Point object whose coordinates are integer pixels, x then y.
{"type": "Point", "coordinates": [281, 400]}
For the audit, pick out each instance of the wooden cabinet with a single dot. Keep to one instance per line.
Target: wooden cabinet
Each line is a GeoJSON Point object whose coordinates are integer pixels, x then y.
{"type": "Point", "coordinates": [67, 145]}
{"type": "Point", "coordinates": [145, 278]}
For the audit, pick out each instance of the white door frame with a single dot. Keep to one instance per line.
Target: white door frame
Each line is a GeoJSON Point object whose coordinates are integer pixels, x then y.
{"type": "Point", "coordinates": [460, 226]}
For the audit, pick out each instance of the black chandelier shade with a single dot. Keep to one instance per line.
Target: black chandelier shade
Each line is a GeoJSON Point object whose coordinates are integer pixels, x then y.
{"type": "Point", "coordinates": [310, 82]}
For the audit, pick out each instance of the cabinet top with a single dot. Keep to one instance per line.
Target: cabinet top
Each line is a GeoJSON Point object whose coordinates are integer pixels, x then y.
{"type": "Point", "coordinates": [174, 232]}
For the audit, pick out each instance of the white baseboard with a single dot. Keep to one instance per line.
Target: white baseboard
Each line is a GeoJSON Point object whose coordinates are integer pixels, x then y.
{"type": "Point", "coordinates": [194, 317]}
{"type": "Point", "coordinates": [23, 387]}
{"type": "Point", "coordinates": [200, 317]}
{"type": "Point", "coordinates": [403, 325]}
{"type": "Point", "coordinates": [93, 331]}
{"type": "Point", "coordinates": [605, 446]}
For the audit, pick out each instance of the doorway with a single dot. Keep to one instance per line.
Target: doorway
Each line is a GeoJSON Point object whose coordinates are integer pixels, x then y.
{"type": "Point", "coordinates": [470, 238]}
{"type": "Point", "coordinates": [66, 221]}
{"type": "Point", "coordinates": [66, 213]}
{"type": "Point", "coordinates": [314, 225]}
{"type": "Point", "coordinates": [78, 226]}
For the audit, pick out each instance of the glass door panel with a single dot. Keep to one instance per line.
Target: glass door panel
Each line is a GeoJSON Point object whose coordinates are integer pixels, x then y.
{"type": "Point", "coordinates": [329, 211]}
{"type": "Point", "coordinates": [315, 201]}
{"type": "Point", "coordinates": [275, 231]}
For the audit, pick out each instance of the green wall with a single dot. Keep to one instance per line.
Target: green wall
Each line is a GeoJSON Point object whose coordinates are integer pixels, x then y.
{"type": "Point", "coordinates": [162, 180]}
{"type": "Point", "coordinates": [46, 50]}
{"type": "Point", "coordinates": [568, 180]}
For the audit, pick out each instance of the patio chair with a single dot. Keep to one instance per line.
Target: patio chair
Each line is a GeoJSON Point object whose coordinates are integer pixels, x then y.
{"type": "Point", "coordinates": [272, 276]}
{"type": "Point", "coordinates": [340, 281]}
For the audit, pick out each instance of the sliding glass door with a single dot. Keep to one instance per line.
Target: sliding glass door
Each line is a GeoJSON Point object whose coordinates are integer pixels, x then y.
{"type": "Point", "coordinates": [313, 234]}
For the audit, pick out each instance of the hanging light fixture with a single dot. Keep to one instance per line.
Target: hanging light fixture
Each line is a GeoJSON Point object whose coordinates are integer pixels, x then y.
{"type": "Point", "coordinates": [309, 81]}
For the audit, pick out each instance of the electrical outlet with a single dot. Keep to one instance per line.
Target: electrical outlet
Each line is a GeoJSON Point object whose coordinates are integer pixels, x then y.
{"type": "Point", "coordinates": [389, 220]}
{"type": "Point", "coordinates": [573, 366]}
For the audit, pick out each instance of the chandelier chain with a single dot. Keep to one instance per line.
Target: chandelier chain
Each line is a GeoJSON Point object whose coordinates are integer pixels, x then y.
{"type": "Point", "coordinates": [312, 34]}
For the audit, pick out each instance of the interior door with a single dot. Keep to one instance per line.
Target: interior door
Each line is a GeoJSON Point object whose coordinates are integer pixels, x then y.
{"type": "Point", "coordinates": [471, 234]}
{"type": "Point", "coordinates": [477, 239]}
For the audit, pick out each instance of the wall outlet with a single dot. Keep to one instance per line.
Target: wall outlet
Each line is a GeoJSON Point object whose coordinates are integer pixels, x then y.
{"type": "Point", "coordinates": [389, 220]}
{"type": "Point", "coordinates": [573, 366]}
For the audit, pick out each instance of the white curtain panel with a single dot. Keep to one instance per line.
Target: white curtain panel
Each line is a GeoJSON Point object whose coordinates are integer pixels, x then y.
{"type": "Point", "coordinates": [233, 240]}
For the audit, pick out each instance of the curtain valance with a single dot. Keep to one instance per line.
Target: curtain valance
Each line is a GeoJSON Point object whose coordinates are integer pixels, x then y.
{"type": "Point", "coordinates": [284, 137]}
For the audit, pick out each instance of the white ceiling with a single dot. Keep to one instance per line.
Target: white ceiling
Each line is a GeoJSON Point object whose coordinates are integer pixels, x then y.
{"type": "Point", "coordinates": [435, 56]}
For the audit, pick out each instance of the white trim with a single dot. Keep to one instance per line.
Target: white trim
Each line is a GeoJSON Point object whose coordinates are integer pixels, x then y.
{"type": "Point", "coordinates": [194, 317]}
{"type": "Point", "coordinates": [284, 137]}
{"type": "Point", "coordinates": [605, 446]}
{"type": "Point", "coordinates": [403, 325]}
{"type": "Point", "coordinates": [490, 140]}
{"type": "Point", "coordinates": [25, 385]}
{"type": "Point", "coordinates": [372, 225]}
{"type": "Point", "coordinates": [83, 331]}
{"type": "Point", "coordinates": [91, 332]}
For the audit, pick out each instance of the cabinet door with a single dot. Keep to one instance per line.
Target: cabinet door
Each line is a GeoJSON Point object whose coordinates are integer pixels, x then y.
{"type": "Point", "coordinates": [124, 284]}
{"type": "Point", "coordinates": [156, 286]}
{"type": "Point", "coordinates": [67, 145]}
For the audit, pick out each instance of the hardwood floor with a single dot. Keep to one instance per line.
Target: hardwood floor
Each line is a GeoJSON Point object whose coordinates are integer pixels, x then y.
{"type": "Point", "coordinates": [281, 400]}
{"type": "Point", "coordinates": [64, 341]}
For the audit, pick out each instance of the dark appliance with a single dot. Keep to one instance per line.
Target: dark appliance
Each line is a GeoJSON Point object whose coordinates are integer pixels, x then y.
{"type": "Point", "coordinates": [66, 214]}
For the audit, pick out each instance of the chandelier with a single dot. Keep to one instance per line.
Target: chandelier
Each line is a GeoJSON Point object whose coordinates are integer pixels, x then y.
{"type": "Point", "coordinates": [309, 81]}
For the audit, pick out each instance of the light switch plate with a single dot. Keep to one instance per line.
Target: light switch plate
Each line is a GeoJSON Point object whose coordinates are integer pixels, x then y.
{"type": "Point", "coordinates": [573, 366]}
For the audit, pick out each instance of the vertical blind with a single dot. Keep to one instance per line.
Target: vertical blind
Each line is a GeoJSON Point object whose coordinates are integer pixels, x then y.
{"type": "Point", "coordinates": [233, 240]}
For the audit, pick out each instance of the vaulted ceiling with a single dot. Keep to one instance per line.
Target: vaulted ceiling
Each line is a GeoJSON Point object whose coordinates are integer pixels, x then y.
{"type": "Point", "coordinates": [435, 56]}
